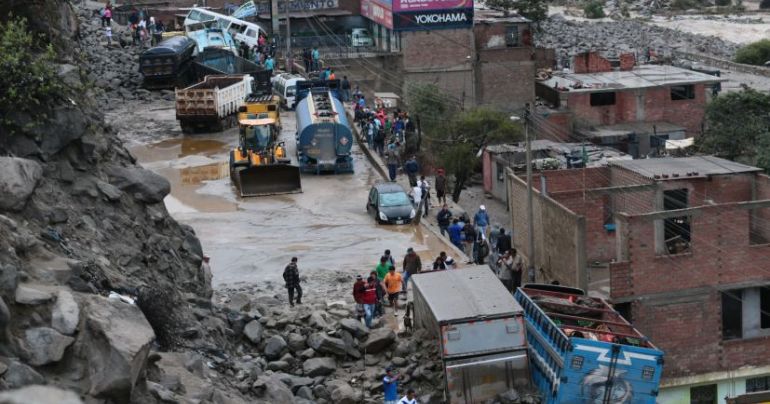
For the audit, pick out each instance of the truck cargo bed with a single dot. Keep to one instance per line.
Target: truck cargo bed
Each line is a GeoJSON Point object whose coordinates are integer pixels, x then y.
{"type": "Point", "coordinates": [583, 351]}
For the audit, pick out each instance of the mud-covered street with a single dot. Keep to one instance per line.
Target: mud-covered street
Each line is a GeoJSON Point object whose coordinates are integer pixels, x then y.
{"type": "Point", "coordinates": [251, 239]}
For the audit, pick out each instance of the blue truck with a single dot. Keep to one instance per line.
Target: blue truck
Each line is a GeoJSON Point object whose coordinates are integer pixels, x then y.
{"type": "Point", "coordinates": [583, 351]}
{"type": "Point", "coordinates": [324, 137]}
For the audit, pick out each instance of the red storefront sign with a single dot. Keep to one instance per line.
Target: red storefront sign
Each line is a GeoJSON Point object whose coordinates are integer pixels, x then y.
{"type": "Point", "coordinates": [377, 12]}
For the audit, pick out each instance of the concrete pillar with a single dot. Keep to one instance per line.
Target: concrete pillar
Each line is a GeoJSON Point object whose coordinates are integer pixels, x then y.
{"type": "Point", "coordinates": [660, 233]}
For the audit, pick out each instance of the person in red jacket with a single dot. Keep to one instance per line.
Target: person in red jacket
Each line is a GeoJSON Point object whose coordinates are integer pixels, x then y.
{"type": "Point", "coordinates": [358, 296]}
{"type": "Point", "coordinates": [369, 299]}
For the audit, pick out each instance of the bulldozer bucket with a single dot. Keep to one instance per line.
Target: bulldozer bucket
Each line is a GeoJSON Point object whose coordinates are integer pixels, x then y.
{"type": "Point", "coordinates": [270, 179]}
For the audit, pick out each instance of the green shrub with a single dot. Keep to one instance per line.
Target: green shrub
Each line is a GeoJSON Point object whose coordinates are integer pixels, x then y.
{"type": "Point", "coordinates": [594, 9]}
{"type": "Point", "coordinates": [756, 53]}
{"type": "Point", "coordinates": [28, 73]}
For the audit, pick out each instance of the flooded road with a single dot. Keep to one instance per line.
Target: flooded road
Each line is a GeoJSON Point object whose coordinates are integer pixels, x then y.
{"type": "Point", "coordinates": [252, 239]}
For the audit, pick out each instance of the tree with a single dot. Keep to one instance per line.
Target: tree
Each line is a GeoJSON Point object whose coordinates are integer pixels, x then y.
{"type": "Point", "coordinates": [755, 53]}
{"type": "Point", "coordinates": [594, 9]}
{"type": "Point", "coordinates": [467, 134]}
{"type": "Point", "coordinates": [28, 80]}
{"type": "Point", "coordinates": [738, 128]}
{"type": "Point", "coordinates": [535, 10]}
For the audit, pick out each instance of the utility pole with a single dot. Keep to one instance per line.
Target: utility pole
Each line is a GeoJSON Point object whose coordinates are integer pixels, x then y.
{"type": "Point", "coordinates": [289, 64]}
{"type": "Point", "coordinates": [275, 18]}
{"type": "Point", "coordinates": [530, 212]}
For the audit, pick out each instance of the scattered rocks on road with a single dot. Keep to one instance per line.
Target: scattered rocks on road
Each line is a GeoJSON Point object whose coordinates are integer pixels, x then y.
{"type": "Point", "coordinates": [319, 366]}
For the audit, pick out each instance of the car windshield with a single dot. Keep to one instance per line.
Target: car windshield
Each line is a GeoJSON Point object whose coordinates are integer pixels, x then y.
{"type": "Point", "coordinates": [394, 199]}
{"type": "Point", "coordinates": [291, 90]}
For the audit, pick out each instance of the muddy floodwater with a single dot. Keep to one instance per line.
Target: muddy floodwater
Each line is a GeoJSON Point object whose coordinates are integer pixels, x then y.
{"type": "Point", "coordinates": [252, 239]}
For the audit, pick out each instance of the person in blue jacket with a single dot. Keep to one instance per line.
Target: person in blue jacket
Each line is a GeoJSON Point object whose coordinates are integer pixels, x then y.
{"type": "Point", "coordinates": [455, 234]}
{"type": "Point", "coordinates": [412, 168]}
{"type": "Point", "coordinates": [481, 219]}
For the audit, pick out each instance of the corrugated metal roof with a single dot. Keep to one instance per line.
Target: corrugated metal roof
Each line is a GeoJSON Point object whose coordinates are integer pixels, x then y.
{"type": "Point", "coordinates": [465, 293]}
{"type": "Point", "coordinates": [684, 167]}
{"type": "Point", "coordinates": [641, 76]}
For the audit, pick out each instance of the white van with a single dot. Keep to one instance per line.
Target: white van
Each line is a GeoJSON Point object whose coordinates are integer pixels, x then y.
{"type": "Point", "coordinates": [361, 38]}
{"type": "Point", "coordinates": [240, 30]}
{"type": "Point", "coordinates": [285, 86]}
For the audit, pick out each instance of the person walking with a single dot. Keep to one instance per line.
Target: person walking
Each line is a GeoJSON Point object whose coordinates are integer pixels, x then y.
{"type": "Point", "coordinates": [505, 265]}
{"type": "Point", "coordinates": [393, 282]}
{"type": "Point", "coordinates": [480, 248]}
{"type": "Point", "coordinates": [315, 58]}
{"type": "Point", "coordinates": [390, 386]}
{"type": "Point", "coordinates": [411, 265]}
{"type": "Point", "coordinates": [503, 242]}
{"type": "Point", "coordinates": [425, 187]}
{"type": "Point", "coordinates": [369, 299]}
{"type": "Point", "coordinates": [455, 234]}
{"type": "Point", "coordinates": [345, 85]}
{"type": "Point", "coordinates": [481, 219]}
{"type": "Point", "coordinates": [412, 168]}
{"type": "Point", "coordinates": [359, 288]}
{"type": "Point", "coordinates": [389, 258]}
{"type": "Point", "coordinates": [379, 138]}
{"type": "Point", "coordinates": [441, 183]}
{"type": "Point", "coordinates": [470, 238]}
{"type": "Point", "coordinates": [517, 269]}
{"type": "Point", "coordinates": [107, 16]}
{"type": "Point", "coordinates": [269, 64]}
{"type": "Point", "coordinates": [393, 162]}
{"type": "Point", "coordinates": [444, 219]}
{"type": "Point", "coordinates": [380, 289]}
{"type": "Point", "coordinates": [382, 268]}
{"type": "Point", "coordinates": [306, 59]}
{"type": "Point", "coordinates": [291, 277]}
{"type": "Point", "coordinates": [416, 198]}
{"type": "Point", "coordinates": [408, 398]}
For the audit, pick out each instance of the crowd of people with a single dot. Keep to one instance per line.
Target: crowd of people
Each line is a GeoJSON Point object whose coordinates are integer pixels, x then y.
{"type": "Point", "coordinates": [143, 30]}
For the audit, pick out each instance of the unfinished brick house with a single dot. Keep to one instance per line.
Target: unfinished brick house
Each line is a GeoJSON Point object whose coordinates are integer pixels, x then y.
{"type": "Point", "coordinates": [632, 108]}
{"type": "Point", "coordinates": [687, 245]}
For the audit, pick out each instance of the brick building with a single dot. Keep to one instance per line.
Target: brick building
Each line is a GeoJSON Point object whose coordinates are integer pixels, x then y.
{"type": "Point", "coordinates": [686, 244]}
{"type": "Point", "coordinates": [619, 104]}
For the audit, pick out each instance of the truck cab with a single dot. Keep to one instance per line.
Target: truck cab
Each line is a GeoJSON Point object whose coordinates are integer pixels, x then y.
{"type": "Point", "coordinates": [361, 38]}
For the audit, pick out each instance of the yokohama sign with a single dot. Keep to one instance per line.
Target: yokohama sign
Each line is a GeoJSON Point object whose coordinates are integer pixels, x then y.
{"type": "Point", "coordinates": [414, 21]}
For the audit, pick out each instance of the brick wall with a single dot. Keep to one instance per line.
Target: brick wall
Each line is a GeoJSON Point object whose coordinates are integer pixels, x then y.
{"type": "Point", "coordinates": [590, 62]}
{"type": "Point", "coordinates": [627, 61]}
{"type": "Point", "coordinates": [436, 50]}
{"type": "Point", "coordinates": [506, 78]}
{"type": "Point", "coordinates": [760, 221]}
{"type": "Point", "coordinates": [655, 104]}
{"type": "Point", "coordinates": [559, 236]}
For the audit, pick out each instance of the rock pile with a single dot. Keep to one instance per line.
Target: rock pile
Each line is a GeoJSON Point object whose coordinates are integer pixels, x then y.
{"type": "Point", "coordinates": [113, 70]}
{"type": "Point", "coordinates": [572, 37]}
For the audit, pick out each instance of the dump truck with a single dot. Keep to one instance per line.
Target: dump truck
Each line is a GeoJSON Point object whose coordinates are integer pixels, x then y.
{"type": "Point", "coordinates": [582, 351]}
{"type": "Point", "coordinates": [169, 64]}
{"type": "Point", "coordinates": [259, 165]}
{"type": "Point", "coordinates": [324, 137]}
{"type": "Point", "coordinates": [213, 103]}
{"type": "Point", "coordinates": [480, 331]}
{"type": "Point", "coordinates": [221, 61]}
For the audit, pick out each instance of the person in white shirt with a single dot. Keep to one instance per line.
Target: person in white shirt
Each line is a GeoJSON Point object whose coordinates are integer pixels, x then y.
{"type": "Point", "coordinates": [408, 398]}
{"type": "Point", "coordinates": [417, 196]}
{"type": "Point", "coordinates": [425, 187]}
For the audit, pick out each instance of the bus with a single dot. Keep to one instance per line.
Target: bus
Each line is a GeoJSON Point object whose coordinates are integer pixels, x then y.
{"type": "Point", "coordinates": [285, 86]}
{"type": "Point", "coordinates": [241, 31]}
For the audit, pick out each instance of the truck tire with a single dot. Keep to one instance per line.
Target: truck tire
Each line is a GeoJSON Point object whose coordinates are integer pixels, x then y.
{"type": "Point", "coordinates": [187, 128]}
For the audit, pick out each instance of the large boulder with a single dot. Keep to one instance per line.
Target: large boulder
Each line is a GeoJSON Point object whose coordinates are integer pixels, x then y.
{"type": "Point", "coordinates": [342, 393]}
{"type": "Point", "coordinates": [378, 340]}
{"type": "Point", "coordinates": [18, 179]}
{"type": "Point", "coordinates": [274, 347]}
{"type": "Point", "coordinates": [323, 343]}
{"type": "Point", "coordinates": [145, 185]}
{"type": "Point", "coordinates": [253, 331]}
{"type": "Point", "coordinates": [44, 345]}
{"type": "Point", "coordinates": [65, 314]}
{"type": "Point", "coordinates": [37, 394]}
{"type": "Point", "coordinates": [117, 338]}
{"type": "Point", "coordinates": [354, 327]}
{"type": "Point", "coordinates": [319, 366]}
{"type": "Point", "coordinates": [273, 390]}
{"type": "Point", "coordinates": [20, 375]}
{"type": "Point", "coordinates": [32, 295]}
